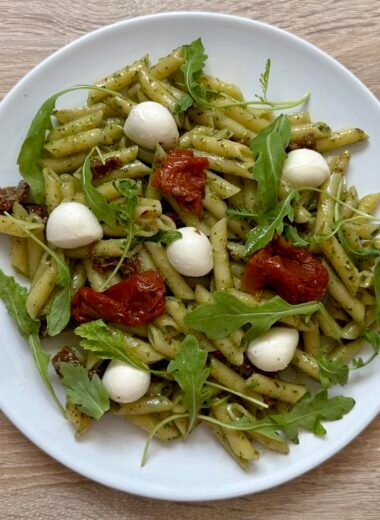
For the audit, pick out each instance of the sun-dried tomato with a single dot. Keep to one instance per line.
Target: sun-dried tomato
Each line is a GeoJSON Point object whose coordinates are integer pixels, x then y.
{"type": "Point", "coordinates": [135, 301]}
{"type": "Point", "coordinates": [129, 266]}
{"type": "Point", "coordinates": [12, 194]}
{"type": "Point", "coordinates": [99, 168]}
{"type": "Point", "coordinates": [183, 176]}
{"type": "Point", "coordinates": [295, 274]}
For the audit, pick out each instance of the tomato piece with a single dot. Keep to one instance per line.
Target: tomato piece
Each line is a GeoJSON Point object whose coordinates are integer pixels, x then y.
{"type": "Point", "coordinates": [182, 176]}
{"type": "Point", "coordinates": [295, 274]}
{"type": "Point", "coordinates": [135, 301]}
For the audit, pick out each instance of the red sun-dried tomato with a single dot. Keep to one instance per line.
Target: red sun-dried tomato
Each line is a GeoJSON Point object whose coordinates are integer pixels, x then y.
{"type": "Point", "coordinates": [182, 176]}
{"type": "Point", "coordinates": [135, 301]}
{"type": "Point", "coordinates": [295, 274]}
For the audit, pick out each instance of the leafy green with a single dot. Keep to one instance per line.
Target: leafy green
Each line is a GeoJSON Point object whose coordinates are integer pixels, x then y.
{"type": "Point", "coordinates": [270, 223]}
{"type": "Point", "coordinates": [88, 394]}
{"type": "Point", "coordinates": [376, 283]}
{"type": "Point", "coordinates": [124, 213]}
{"type": "Point", "coordinates": [192, 68]}
{"type": "Point", "coordinates": [31, 148]}
{"type": "Point", "coordinates": [226, 314]}
{"type": "Point", "coordinates": [291, 234]}
{"type": "Point", "coordinates": [95, 200]}
{"type": "Point", "coordinates": [363, 252]}
{"type": "Point", "coordinates": [373, 338]}
{"type": "Point", "coordinates": [106, 343]}
{"type": "Point", "coordinates": [268, 148]}
{"type": "Point", "coordinates": [307, 414]}
{"type": "Point", "coordinates": [14, 297]}
{"type": "Point", "coordinates": [163, 237]}
{"type": "Point", "coordinates": [309, 411]}
{"type": "Point", "coordinates": [332, 371]}
{"type": "Point", "coordinates": [195, 59]}
{"type": "Point", "coordinates": [189, 370]}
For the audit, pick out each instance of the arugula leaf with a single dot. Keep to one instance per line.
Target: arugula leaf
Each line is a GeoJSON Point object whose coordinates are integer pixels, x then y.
{"type": "Point", "coordinates": [309, 411]}
{"type": "Point", "coordinates": [291, 234]}
{"type": "Point", "coordinates": [195, 59]}
{"type": "Point", "coordinates": [189, 370]}
{"type": "Point", "coordinates": [268, 148]}
{"type": "Point", "coordinates": [31, 148]}
{"type": "Point", "coordinates": [373, 338]}
{"type": "Point", "coordinates": [192, 68]}
{"type": "Point", "coordinates": [226, 314]}
{"type": "Point", "coordinates": [364, 252]}
{"type": "Point", "coordinates": [376, 283]}
{"type": "Point", "coordinates": [95, 200]}
{"type": "Point", "coordinates": [88, 394]}
{"type": "Point", "coordinates": [14, 297]}
{"type": "Point", "coordinates": [163, 237]}
{"type": "Point", "coordinates": [124, 215]}
{"type": "Point", "coordinates": [269, 224]}
{"type": "Point", "coordinates": [332, 372]}
{"type": "Point", "coordinates": [106, 343]}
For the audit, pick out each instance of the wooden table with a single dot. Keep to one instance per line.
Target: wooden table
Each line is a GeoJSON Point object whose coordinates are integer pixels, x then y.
{"type": "Point", "coordinates": [32, 485]}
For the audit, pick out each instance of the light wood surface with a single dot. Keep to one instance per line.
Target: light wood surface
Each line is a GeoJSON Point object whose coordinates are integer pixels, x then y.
{"type": "Point", "coordinates": [32, 485]}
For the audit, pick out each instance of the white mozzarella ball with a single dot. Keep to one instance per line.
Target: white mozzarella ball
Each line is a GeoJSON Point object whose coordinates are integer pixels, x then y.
{"type": "Point", "coordinates": [305, 167]}
{"type": "Point", "coordinates": [274, 350]}
{"type": "Point", "coordinates": [72, 224]}
{"type": "Point", "coordinates": [149, 124]}
{"type": "Point", "coordinates": [191, 255]}
{"type": "Point", "coordinates": [125, 384]}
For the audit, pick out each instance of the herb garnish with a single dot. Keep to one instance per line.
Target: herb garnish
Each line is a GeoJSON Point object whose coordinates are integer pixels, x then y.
{"type": "Point", "coordinates": [89, 395]}
{"type": "Point", "coordinates": [14, 297]}
{"type": "Point", "coordinates": [227, 314]}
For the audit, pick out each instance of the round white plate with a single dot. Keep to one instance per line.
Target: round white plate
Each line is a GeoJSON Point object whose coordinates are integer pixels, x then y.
{"type": "Point", "coordinates": [110, 453]}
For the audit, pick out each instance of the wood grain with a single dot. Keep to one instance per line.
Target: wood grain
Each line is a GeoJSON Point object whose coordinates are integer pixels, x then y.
{"type": "Point", "coordinates": [32, 485]}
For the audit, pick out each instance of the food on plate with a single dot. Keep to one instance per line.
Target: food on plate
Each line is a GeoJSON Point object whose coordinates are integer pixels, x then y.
{"type": "Point", "coordinates": [210, 259]}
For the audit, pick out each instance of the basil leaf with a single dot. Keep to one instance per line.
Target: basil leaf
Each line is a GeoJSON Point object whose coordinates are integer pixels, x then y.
{"type": "Point", "coordinates": [226, 314]}
{"type": "Point", "coordinates": [88, 394]}
{"type": "Point", "coordinates": [268, 147]}
{"type": "Point", "coordinates": [189, 370]}
{"type": "Point", "coordinates": [106, 343]}
{"type": "Point", "coordinates": [95, 200]}
{"type": "Point", "coordinates": [269, 224]}
{"type": "Point", "coordinates": [309, 411]}
{"type": "Point", "coordinates": [332, 372]}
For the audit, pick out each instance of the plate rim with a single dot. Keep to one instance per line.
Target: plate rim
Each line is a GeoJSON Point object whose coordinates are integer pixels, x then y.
{"type": "Point", "coordinates": [180, 495]}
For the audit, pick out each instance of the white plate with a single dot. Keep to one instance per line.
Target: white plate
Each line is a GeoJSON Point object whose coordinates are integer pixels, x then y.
{"type": "Point", "coordinates": [110, 453]}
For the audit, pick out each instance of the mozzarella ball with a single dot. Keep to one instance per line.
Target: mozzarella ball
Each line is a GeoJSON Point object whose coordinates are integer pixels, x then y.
{"type": "Point", "coordinates": [305, 167]}
{"type": "Point", "coordinates": [149, 124]}
{"type": "Point", "coordinates": [72, 224]}
{"type": "Point", "coordinates": [125, 384]}
{"type": "Point", "coordinates": [274, 350]}
{"type": "Point", "coordinates": [191, 255]}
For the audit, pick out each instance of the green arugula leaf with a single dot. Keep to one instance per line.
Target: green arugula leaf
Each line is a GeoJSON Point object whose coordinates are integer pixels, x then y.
{"type": "Point", "coordinates": [14, 297]}
{"type": "Point", "coordinates": [88, 394]}
{"type": "Point", "coordinates": [268, 147]}
{"type": "Point", "coordinates": [31, 148]}
{"type": "Point", "coordinates": [95, 200]}
{"type": "Point", "coordinates": [309, 411]}
{"type": "Point", "coordinates": [291, 234]}
{"type": "Point", "coordinates": [189, 370]}
{"type": "Point", "coordinates": [270, 223]}
{"type": "Point", "coordinates": [183, 104]}
{"type": "Point", "coordinates": [227, 314]}
{"type": "Point", "coordinates": [376, 283]}
{"type": "Point", "coordinates": [373, 338]}
{"type": "Point", "coordinates": [195, 59]}
{"type": "Point", "coordinates": [332, 372]}
{"type": "Point", "coordinates": [59, 311]}
{"type": "Point", "coordinates": [192, 68]}
{"type": "Point", "coordinates": [163, 237]}
{"type": "Point", "coordinates": [106, 343]}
